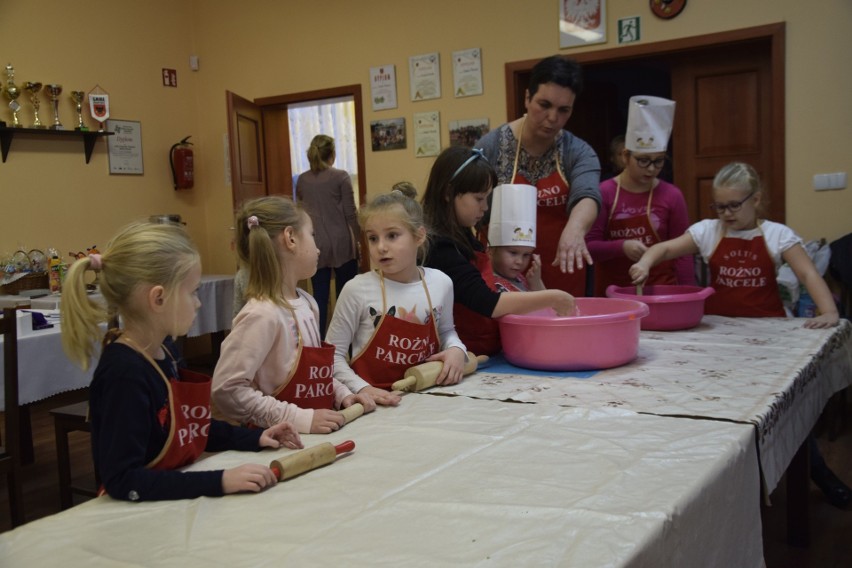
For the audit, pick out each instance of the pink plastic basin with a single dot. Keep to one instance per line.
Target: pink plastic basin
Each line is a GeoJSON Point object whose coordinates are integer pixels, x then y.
{"type": "Point", "coordinates": [604, 334]}
{"type": "Point", "coordinates": [672, 307]}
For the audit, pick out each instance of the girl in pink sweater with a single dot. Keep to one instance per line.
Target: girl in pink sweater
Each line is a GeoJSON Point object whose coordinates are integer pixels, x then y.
{"type": "Point", "coordinates": [274, 367]}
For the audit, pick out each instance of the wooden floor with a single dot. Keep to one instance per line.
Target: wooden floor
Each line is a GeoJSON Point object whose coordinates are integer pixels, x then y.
{"type": "Point", "coordinates": [831, 528]}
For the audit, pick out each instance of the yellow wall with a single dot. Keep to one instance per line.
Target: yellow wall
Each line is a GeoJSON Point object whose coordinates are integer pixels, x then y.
{"type": "Point", "coordinates": [260, 48]}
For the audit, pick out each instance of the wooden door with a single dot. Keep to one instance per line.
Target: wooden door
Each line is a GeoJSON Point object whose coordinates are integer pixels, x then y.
{"type": "Point", "coordinates": [248, 162]}
{"type": "Point", "coordinates": [724, 114]}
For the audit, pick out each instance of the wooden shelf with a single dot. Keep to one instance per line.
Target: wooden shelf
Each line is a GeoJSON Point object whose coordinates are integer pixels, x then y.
{"type": "Point", "coordinates": [89, 138]}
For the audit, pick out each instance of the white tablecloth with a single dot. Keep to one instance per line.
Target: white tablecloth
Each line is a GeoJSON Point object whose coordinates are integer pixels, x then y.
{"type": "Point", "coordinates": [769, 372]}
{"type": "Point", "coordinates": [452, 481]}
{"type": "Point", "coordinates": [44, 370]}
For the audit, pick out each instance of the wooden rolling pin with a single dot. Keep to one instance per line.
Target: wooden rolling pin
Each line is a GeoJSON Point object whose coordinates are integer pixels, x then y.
{"type": "Point", "coordinates": [424, 375]}
{"type": "Point", "coordinates": [350, 413]}
{"type": "Point", "coordinates": [308, 459]}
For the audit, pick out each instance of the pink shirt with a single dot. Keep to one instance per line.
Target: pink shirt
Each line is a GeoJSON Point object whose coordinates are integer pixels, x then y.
{"type": "Point", "coordinates": [258, 356]}
{"type": "Point", "coordinates": [668, 217]}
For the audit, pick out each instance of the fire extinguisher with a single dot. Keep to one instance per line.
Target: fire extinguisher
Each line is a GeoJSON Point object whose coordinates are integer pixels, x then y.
{"type": "Point", "coordinates": [180, 157]}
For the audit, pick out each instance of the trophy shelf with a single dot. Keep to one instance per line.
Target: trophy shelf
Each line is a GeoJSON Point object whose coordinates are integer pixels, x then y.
{"type": "Point", "coordinates": [7, 134]}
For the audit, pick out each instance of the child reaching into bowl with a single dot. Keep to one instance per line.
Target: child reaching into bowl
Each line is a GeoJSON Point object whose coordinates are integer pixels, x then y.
{"type": "Point", "coordinates": [744, 253]}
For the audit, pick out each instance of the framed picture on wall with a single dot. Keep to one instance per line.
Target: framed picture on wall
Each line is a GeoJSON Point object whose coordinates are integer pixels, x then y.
{"type": "Point", "coordinates": [125, 147]}
{"type": "Point", "coordinates": [581, 22]}
{"type": "Point", "coordinates": [468, 132]}
{"type": "Point", "coordinates": [388, 134]}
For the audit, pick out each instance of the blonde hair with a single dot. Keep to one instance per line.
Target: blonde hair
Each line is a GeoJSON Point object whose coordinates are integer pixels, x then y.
{"type": "Point", "coordinates": [140, 254]}
{"type": "Point", "coordinates": [320, 152]}
{"type": "Point", "coordinates": [256, 245]}
{"type": "Point", "coordinates": [396, 204]}
{"type": "Point", "coordinates": [406, 188]}
{"type": "Point", "coordinates": [743, 176]}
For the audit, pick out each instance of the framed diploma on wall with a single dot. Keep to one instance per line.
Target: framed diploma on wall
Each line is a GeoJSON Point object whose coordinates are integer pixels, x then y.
{"type": "Point", "coordinates": [125, 147]}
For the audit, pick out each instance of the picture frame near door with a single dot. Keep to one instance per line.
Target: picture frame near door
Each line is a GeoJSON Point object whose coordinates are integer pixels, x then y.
{"type": "Point", "coordinates": [581, 22]}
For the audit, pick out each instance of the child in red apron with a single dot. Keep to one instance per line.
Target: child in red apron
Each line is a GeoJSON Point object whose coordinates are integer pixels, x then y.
{"type": "Point", "coordinates": [455, 200]}
{"type": "Point", "coordinates": [148, 417]}
{"type": "Point", "coordinates": [398, 315]}
{"type": "Point", "coordinates": [512, 238]}
{"type": "Point", "coordinates": [744, 254]}
{"type": "Point", "coordinates": [638, 209]}
{"type": "Point", "coordinates": [274, 367]}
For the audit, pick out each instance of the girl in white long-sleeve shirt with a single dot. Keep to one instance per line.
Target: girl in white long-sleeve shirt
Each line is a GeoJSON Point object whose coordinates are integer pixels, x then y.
{"type": "Point", "coordinates": [274, 366]}
{"type": "Point", "coordinates": [401, 314]}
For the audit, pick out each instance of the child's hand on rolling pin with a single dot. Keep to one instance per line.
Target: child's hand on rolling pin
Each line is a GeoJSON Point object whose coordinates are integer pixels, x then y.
{"type": "Point", "coordinates": [366, 401]}
{"type": "Point", "coordinates": [381, 396]}
{"type": "Point", "coordinates": [453, 369]}
{"type": "Point", "coordinates": [326, 421]}
{"type": "Point", "coordinates": [282, 434]}
{"type": "Point", "coordinates": [252, 477]}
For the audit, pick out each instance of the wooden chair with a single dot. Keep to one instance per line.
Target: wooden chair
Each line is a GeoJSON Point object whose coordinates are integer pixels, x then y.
{"type": "Point", "coordinates": [66, 419]}
{"type": "Point", "coordinates": [10, 454]}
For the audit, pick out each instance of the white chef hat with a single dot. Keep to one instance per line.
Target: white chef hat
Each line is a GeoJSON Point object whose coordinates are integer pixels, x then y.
{"type": "Point", "coordinates": [513, 210]}
{"type": "Point", "coordinates": [649, 124]}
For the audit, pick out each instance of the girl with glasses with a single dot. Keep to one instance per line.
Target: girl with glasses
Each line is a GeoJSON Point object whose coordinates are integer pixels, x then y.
{"type": "Point", "coordinates": [455, 200]}
{"type": "Point", "coordinates": [638, 209]}
{"type": "Point", "coordinates": [744, 253]}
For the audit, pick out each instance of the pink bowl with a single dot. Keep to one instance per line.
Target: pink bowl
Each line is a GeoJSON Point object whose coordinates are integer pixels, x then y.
{"type": "Point", "coordinates": [604, 334]}
{"type": "Point", "coordinates": [672, 307]}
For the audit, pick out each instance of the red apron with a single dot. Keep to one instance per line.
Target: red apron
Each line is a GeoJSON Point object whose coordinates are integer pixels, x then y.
{"type": "Point", "coordinates": [396, 345]}
{"type": "Point", "coordinates": [310, 383]}
{"type": "Point", "coordinates": [640, 228]}
{"type": "Point", "coordinates": [480, 334]}
{"type": "Point", "coordinates": [187, 413]}
{"type": "Point", "coordinates": [502, 284]}
{"type": "Point", "coordinates": [551, 217]}
{"type": "Point", "coordinates": [743, 274]}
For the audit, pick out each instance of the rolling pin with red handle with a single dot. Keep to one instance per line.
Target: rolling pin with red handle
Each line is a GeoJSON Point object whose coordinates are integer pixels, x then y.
{"type": "Point", "coordinates": [424, 375]}
{"type": "Point", "coordinates": [308, 459]}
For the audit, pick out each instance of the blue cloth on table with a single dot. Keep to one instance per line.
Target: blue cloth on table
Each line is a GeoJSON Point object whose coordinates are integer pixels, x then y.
{"type": "Point", "coordinates": [498, 364]}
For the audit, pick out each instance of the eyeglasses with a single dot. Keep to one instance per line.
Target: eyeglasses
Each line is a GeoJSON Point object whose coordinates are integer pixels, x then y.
{"type": "Point", "coordinates": [732, 206]}
{"type": "Point", "coordinates": [645, 162]}
{"type": "Point", "coordinates": [477, 153]}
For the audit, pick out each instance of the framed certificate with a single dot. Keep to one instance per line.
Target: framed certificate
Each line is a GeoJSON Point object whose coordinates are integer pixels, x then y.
{"type": "Point", "coordinates": [125, 147]}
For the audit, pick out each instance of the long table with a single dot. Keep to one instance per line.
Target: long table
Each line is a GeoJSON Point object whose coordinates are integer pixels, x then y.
{"type": "Point", "coordinates": [769, 372]}
{"type": "Point", "coordinates": [451, 481]}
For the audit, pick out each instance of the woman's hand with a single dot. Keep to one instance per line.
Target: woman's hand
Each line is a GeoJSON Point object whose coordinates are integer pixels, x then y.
{"type": "Point", "coordinates": [251, 477]}
{"type": "Point", "coordinates": [634, 249]}
{"type": "Point", "coordinates": [572, 250]}
{"type": "Point", "coordinates": [453, 369]}
{"type": "Point", "coordinates": [822, 321]}
{"type": "Point", "coordinates": [282, 434]}
{"type": "Point", "coordinates": [326, 421]}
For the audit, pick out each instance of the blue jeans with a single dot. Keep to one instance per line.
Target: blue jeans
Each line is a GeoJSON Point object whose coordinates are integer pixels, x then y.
{"type": "Point", "coordinates": [321, 283]}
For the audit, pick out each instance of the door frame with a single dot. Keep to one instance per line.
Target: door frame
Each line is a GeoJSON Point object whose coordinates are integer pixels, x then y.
{"type": "Point", "coordinates": [278, 140]}
{"type": "Point", "coordinates": [517, 77]}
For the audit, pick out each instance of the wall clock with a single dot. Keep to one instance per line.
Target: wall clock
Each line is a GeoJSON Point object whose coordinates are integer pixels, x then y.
{"type": "Point", "coordinates": [667, 9]}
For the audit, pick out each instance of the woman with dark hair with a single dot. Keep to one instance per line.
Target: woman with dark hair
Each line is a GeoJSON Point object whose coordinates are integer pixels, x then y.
{"type": "Point", "coordinates": [455, 201]}
{"type": "Point", "coordinates": [535, 150]}
{"type": "Point", "coordinates": [326, 193]}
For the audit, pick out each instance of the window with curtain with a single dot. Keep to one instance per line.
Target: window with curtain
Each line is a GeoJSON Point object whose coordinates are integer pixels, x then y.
{"type": "Point", "coordinates": [332, 117]}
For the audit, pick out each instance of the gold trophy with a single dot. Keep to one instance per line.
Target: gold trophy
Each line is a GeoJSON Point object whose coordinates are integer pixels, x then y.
{"type": "Point", "coordinates": [53, 91]}
{"type": "Point", "coordinates": [12, 92]}
{"type": "Point", "coordinates": [78, 97]}
{"type": "Point", "coordinates": [33, 88]}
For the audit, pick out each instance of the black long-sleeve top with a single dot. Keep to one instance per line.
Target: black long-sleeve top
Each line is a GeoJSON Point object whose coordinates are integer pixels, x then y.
{"type": "Point", "coordinates": [125, 396]}
{"type": "Point", "coordinates": [469, 289]}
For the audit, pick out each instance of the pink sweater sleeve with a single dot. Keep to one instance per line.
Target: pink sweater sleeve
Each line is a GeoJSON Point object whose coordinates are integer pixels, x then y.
{"type": "Point", "coordinates": [600, 248]}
